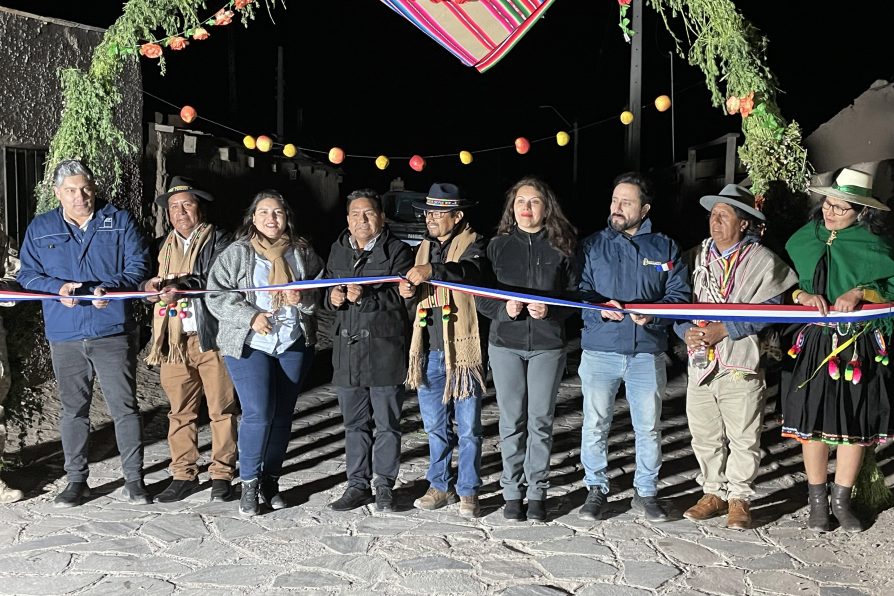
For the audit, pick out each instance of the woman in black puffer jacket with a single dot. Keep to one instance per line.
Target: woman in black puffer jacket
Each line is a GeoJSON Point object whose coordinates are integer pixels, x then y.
{"type": "Point", "coordinates": [532, 253]}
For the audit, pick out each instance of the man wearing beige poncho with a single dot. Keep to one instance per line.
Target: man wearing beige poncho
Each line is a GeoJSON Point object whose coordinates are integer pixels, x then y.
{"type": "Point", "coordinates": [726, 393]}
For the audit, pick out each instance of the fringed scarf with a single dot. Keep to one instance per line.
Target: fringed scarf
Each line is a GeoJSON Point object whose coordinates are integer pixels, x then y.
{"type": "Point", "coordinates": [168, 341]}
{"type": "Point", "coordinates": [462, 345]}
{"type": "Point", "coordinates": [280, 272]}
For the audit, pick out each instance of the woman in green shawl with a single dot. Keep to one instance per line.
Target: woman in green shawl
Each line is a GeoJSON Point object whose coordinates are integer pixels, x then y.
{"type": "Point", "coordinates": [839, 393]}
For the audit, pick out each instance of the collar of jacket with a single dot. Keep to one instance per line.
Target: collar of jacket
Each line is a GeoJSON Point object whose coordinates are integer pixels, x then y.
{"type": "Point", "coordinates": [644, 228]}
{"type": "Point", "coordinates": [541, 233]}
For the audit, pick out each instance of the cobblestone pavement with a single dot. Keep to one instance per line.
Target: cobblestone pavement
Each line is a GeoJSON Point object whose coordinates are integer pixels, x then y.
{"type": "Point", "coordinates": [194, 547]}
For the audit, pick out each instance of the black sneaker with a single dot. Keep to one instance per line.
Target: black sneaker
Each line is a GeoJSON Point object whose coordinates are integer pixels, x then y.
{"type": "Point", "coordinates": [73, 495]}
{"type": "Point", "coordinates": [384, 498]}
{"type": "Point", "coordinates": [536, 510]}
{"type": "Point", "coordinates": [592, 507]}
{"type": "Point", "coordinates": [352, 499]}
{"type": "Point", "coordinates": [270, 493]}
{"type": "Point", "coordinates": [648, 507]}
{"type": "Point", "coordinates": [513, 510]}
{"type": "Point", "coordinates": [221, 490]}
{"type": "Point", "coordinates": [248, 504]}
{"type": "Point", "coordinates": [177, 490]}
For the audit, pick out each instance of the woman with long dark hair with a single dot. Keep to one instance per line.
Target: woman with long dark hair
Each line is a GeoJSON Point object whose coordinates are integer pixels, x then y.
{"type": "Point", "coordinates": [266, 337]}
{"type": "Point", "coordinates": [840, 389]}
{"type": "Point", "coordinates": [533, 252]}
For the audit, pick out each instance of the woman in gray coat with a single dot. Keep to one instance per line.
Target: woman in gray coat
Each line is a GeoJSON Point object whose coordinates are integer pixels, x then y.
{"type": "Point", "coordinates": [267, 338]}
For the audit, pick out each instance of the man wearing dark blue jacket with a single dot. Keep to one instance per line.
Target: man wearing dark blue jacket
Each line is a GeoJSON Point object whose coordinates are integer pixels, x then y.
{"type": "Point", "coordinates": [626, 263]}
{"type": "Point", "coordinates": [88, 247]}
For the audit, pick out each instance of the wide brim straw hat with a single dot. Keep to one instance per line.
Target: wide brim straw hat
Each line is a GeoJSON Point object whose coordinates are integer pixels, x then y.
{"type": "Point", "coordinates": [853, 186]}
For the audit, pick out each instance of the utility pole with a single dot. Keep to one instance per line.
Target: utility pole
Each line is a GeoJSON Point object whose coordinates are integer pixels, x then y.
{"type": "Point", "coordinates": [280, 93]}
{"type": "Point", "coordinates": [634, 129]}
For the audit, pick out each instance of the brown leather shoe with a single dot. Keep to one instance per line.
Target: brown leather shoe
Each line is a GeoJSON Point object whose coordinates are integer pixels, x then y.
{"type": "Point", "coordinates": [468, 506]}
{"type": "Point", "coordinates": [435, 499]}
{"type": "Point", "coordinates": [707, 507]}
{"type": "Point", "coordinates": [739, 517]}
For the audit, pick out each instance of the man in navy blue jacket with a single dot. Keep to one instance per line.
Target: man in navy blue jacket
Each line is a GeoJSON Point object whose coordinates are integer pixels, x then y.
{"type": "Point", "coordinates": [627, 263]}
{"type": "Point", "coordinates": [88, 247]}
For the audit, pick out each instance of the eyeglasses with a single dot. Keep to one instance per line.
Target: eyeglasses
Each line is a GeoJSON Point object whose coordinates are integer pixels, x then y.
{"type": "Point", "coordinates": [436, 215]}
{"type": "Point", "coordinates": [835, 209]}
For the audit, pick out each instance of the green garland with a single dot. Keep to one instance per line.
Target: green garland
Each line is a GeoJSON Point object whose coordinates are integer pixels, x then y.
{"type": "Point", "coordinates": [87, 129]}
{"type": "Point", "coordinates": [729, 49]}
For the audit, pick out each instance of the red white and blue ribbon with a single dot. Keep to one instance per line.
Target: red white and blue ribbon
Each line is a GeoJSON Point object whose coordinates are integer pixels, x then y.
{"type": "Point", "coordinates": [767, 313]}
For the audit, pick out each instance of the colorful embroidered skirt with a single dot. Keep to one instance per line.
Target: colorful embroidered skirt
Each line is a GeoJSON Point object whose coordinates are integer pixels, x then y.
{"type": "Point", "coordinates": [838, 411]}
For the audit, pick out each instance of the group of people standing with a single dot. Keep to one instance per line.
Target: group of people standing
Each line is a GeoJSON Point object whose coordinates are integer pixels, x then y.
{"type": "Point", "coordinates": [243, 340]}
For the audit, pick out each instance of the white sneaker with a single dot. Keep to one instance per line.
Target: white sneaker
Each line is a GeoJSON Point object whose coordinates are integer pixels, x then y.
{"type": "Point", "coordinates": [9, 495]}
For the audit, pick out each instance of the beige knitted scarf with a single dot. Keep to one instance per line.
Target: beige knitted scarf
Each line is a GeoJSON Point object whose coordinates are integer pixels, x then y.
{"type": "Point", "coordinates": [280, 272]}
{"type": "Point", "coordinates": [462, 345]}
{"type": "Point", "coordinates": [168, 341]}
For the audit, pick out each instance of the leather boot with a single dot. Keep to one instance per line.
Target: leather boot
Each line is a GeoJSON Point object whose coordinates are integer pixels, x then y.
{"type": "Point", "coordinates": [843, 510]}
{"type": "Point", "coordinates": [818, 499]}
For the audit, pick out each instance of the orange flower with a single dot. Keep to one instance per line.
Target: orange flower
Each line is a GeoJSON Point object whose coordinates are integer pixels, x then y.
{"type": "Point", "coordinates": [177, 43]}
{"type": "Point", "coordinates": [732, 105]}
{"type": "Point", "coordinates": [223, 17]}
{"type": "Point", "coordinates": [746, 105]}
{"type": "Point", "coordinates": [151, 50]}
{"type": "Point", "coordinates": [240, 4]}
{"type": "Point", "coordinates": [200, 34]}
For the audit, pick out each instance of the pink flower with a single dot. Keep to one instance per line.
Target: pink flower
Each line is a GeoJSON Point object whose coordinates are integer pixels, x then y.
{"type": "Point", "coordinates": [177, 43]}
{"type": "Point", "coordinates": [732, 105]}
{"type": "Point", "coordinates": [624, 2]}
{"type": "Point", "coordinates": [746, 105]}
{"type": "Point", "coordinates": [200, 34]}
{"type": "Point", "coordinates": [223, 17]}
{"type": "Point", "coordinates": [240, 4]}
{"type": "Point", "coordinates": [151, 50]}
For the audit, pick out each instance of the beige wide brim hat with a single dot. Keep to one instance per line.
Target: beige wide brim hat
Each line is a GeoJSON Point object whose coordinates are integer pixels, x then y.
{"type": "Point", "coordinates": [852, 186]}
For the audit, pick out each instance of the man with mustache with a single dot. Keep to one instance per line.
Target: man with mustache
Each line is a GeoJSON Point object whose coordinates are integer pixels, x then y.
{"type": "Point", "coordinates": [369, 350]}
{"type": "Point", "coordinates": [627, 262]}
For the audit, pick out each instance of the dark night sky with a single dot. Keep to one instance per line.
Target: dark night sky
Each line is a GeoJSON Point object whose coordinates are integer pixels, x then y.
{"type": "Point", "coordinates": [361, 77]}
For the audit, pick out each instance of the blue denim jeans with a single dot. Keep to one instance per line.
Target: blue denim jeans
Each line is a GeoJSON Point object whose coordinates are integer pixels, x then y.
{"type": "Point", "coordinates": [645, 380]}
{"type": "Point", "coordinates": [268, 387]}
{"type": "Point", "coordinates": [438, 419]}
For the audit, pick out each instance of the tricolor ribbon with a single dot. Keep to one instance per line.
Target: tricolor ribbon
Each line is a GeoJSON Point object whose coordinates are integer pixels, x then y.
{"type": "Point", "coordinates": [766, 313]}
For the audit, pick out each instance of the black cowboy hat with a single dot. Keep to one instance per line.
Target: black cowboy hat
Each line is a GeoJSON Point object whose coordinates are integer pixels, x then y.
{"type": "Point", "coordinates": [443, 196]}
{"type": "Point", "coordinates": [181, 184]}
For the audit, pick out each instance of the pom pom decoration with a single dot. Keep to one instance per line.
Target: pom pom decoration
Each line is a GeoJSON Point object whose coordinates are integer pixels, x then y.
{"type": "Point", "coordinates": [382, 162]}
{"type": "Point", "coordinates": [662, 103]}
{"type": "Point", "coordinates": [162, 311]}
{"type": "Point", "coordinates": [188, 114]}
{"type": "Point", "coordinates": [290, 150]}
{"type": "Point", "coordinates": [626, 117]}
{"type": "Point", "coordinates": [562, 138]}
{"type": "Point", "coordinates": [417, 163]}
{"type": "Point", "coordinates": [522, 145]}
{"type": "Point", "coordinates": [264, 143]}
{"type": "Point", "coordinates": [336, 155]}
{"type": "Point", "coordinates": [465, 157]}
{"type": "Point", "coordinates": [249, 142]}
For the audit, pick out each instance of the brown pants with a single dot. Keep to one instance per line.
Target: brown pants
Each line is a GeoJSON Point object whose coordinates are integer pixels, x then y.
{"type": "Point", "coordinates": [202, 373]}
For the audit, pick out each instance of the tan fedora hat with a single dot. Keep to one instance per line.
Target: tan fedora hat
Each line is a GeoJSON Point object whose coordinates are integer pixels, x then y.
{"type": "Point", "coordinates": [852, 186]}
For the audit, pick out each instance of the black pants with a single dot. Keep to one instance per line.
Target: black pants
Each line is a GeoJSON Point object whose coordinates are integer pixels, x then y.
{"type": "Point", "coordinates": [365, 454]}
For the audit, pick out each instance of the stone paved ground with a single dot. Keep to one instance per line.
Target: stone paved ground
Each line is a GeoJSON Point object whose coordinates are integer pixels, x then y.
{"type": "Point", "coordinates": [194, 547]}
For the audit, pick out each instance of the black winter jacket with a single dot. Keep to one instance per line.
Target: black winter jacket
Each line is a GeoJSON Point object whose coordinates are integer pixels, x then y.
{"type": "Point", "coordinates": [527, 263]}
{"type": "Point", "coordinates": [369, 344]}
{"type": "Point", "coordinates": [206, 324]}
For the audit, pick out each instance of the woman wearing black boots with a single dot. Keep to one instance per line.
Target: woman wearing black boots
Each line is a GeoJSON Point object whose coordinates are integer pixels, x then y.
{"type": "Point", "coordinates": [533, 252]}
{"type": "Point", "coordinates": [840, 382]}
